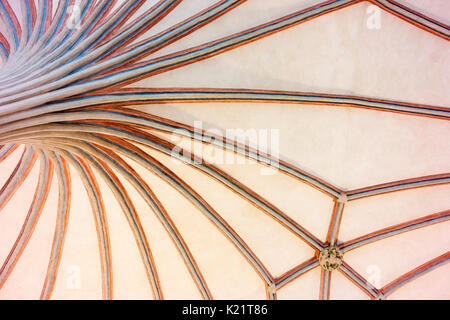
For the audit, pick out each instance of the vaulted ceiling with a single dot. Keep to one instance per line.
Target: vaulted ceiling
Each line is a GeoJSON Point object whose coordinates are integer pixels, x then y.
{"type": "Point", "coordinates": [206, 149]}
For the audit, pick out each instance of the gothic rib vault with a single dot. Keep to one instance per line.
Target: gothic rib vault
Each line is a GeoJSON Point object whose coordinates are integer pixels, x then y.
{"type": "Point", "coordinates": [86, 99]}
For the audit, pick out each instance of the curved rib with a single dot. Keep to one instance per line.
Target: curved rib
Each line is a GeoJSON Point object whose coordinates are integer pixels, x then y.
{"type": "Point", "coordinates": [18, 176]}
{"type": "Point", "coordinates": [359, 281]}
{"type": "Point", "coordinates": [163, 172]}
{"type": "Point", "coordinates": [130, 212]}
{"type": "Point", "coordinates": [39, 72]}
{"type": "Point", "coordinates": [11, 22]}
{"type": "Point", "coordinates": [395, 230]}
{"type": "Point", "coordinates": [5, 48]}
{"type": "Point", "coordinates": [125, 73]}
{"type": "Point", "coordinates": [11, 69]}
{"type": "Point", "coordinates": [171, 34]}
{"type": "Point", "coordinates": [325, 280]}
{"type": "Point", "coordinates": [183, 155]}
{"type": "Point", "coordinates": [7, 150]}
{"type": "Point", "coordinates": [50, 90]}
{"type": "Point", "coordinates": [271, 291]}
{"type": "Point", "coordinates": [420, 182]}
{"type": "Point", "coordinates": [38, 24]}
{"type": "Point", "coordinates": [42, 190]}
{"type": "Point", "coordinates": [144, 190]}
{"type": "Point", "coordinates": [135, 96]}
{"type": "Point", "coordinates": [165, 63]}
{"type": "Point", "coordinates": [416, 272]}
{"type": "Point", "coordinates": [54, 64]}
{"type": "Point", "coordinates": [335, 223]}
{"type": "Point", "coordinates": [168, 126]}
{"type": "Point", "coordinates": [416, 18]}
{"type": "Point", "coordinates": [296, 272]}
{"type": "Point", "coordinates": [101, 225]}
{"type": "Point", "coordinates": [199, 95]}
{"type": "Point", "coordinates": [62, 218]}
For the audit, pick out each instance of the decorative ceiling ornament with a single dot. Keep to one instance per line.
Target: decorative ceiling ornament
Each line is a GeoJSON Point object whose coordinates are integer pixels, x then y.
{"type": "Point", "coordinates": [330, 258]}
{"type": "Point", "coordinates": [65, 97]}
